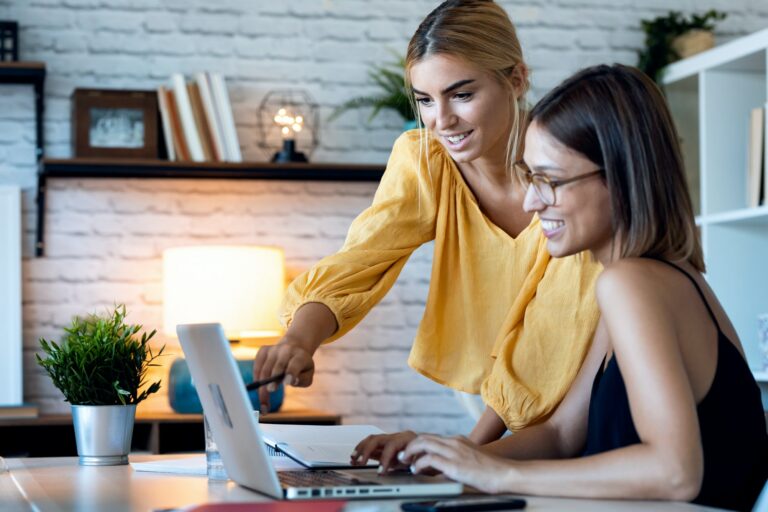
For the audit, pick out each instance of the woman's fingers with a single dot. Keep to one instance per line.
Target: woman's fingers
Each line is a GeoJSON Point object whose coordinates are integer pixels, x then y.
{"type": "Point", "coordinates": [286, 358]}
{"type": "Point", "coordinates": [428, 444]}
{"type": "Point", "coordinates": [388, 458]}
{"type": "Point", "coordinates": [381, 447]}
{"type": "Point", "coordinates": [370, 448]}
{"type": "Point", "coordinates": [262, 368]}
{"type": "Point", "coordinates": [428, 463]}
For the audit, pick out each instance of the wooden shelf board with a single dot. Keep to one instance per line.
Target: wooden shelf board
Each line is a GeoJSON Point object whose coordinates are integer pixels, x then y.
{"type": "Point", "coordinates": [286, 415]}
{"type": "Point", "coordinates": [21, 72]}
{"type": "Point", "coordinates": [744, 215]}
{"type": "Point", "coordinates": [127, 168]}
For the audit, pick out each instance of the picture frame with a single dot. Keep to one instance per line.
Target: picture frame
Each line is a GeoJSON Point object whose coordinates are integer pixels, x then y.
{"type": "Point", "coordinates": [9, 41]}
{"type": "Point", "coordinates": [115, 123]}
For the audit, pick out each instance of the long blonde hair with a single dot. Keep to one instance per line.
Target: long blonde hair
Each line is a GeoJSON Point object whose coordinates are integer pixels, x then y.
{"type": "Point", "coordinates": [480, 32]}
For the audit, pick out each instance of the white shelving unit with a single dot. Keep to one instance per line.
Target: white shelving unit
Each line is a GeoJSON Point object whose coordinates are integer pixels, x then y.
{"type": "Point", "coordinates": [711, 95]}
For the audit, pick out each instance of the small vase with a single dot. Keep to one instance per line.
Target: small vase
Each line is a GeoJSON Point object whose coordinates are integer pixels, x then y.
{"type": "Point", "coordinates": [692, 42]}
{"type": "Point", "coordinates": [103, 433]}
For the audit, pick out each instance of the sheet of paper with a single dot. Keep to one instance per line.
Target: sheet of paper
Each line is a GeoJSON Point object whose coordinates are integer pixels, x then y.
{"type": "Point", "coordinates": [195, 465]}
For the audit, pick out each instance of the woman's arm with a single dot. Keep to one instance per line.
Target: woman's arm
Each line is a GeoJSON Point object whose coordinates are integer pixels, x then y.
{"type": "Point", "coordinates": [666, 464]}
{"type": "Point", "coordinates": [489, 428]}
{"type": "Point", "coordinates": [312, 323]}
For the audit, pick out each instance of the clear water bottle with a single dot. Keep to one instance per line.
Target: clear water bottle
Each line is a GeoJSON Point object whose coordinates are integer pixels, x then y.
{"type": "Point", "coordinates": [213, 463]}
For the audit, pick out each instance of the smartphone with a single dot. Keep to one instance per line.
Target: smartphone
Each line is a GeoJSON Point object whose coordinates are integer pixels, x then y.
{"type": "Point", "coordinates": [464, 505]}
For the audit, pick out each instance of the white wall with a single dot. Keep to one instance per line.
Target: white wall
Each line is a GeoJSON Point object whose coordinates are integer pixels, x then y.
{"type": "Point", "coordinates": [104, 238]}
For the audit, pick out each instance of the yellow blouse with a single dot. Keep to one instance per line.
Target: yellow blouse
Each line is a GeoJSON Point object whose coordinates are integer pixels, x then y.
{"type": "Point", "coordinates": [501, 315]}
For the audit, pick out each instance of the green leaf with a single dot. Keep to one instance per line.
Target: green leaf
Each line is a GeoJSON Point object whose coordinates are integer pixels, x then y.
{"type": "Point", "coordinates": [390, 79]}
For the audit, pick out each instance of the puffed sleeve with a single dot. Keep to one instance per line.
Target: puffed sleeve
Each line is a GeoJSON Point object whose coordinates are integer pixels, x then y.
{"type": "Point", "coordinates": [379, 242]}
{"type": "Point", "coordinates": [541, 347]}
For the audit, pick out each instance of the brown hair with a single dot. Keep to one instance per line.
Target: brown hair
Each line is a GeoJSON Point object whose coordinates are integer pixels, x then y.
{"type": "Point", "coordinates": [480, 32]}
{"type": "Point", "coordinates": [617, 117]}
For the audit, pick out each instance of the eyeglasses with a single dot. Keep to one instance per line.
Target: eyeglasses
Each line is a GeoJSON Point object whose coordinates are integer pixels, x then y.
{"type": "Point", "coordinates": [545, 186]}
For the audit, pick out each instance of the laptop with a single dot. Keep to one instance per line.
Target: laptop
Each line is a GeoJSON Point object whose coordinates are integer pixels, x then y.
{"type": "Point", "coordinates": [241, 443]}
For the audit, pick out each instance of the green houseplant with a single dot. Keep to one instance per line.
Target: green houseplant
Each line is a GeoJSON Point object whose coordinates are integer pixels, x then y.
{"type": "Point", "coordinates": [100, 366]}
{"type": "Point", "coordinates": [390, 78]}
{"type": "Point", "coordinates": [665, 39]}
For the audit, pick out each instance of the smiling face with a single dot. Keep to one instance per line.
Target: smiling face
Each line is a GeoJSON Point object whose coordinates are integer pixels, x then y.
{"type": "Point", "coordinates": [581, 217]}
{"type": "Point", "coordinates": [464, 106]}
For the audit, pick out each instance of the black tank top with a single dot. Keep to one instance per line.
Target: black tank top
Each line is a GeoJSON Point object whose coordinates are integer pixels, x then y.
{"type": "Point", "coordinates": [731, 421]}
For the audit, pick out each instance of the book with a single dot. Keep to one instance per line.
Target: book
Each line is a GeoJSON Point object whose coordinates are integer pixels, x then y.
{"type": "Point", "coordinates": [755, 156]}
{"type": "Point", "coordinates": [765, 156]}
{"type": "Point", "coordinates": [179, 143]}
{"type": "Point", "coordinates": [318, 446]}
{"type": "Point", "coordinates": [18, 411]}
{"type": "Point", "coordinates": [188, 126]}
{"type": "Point", "coordinates": [226, 119]}
{"type": "Point", "coordinates": [200, 121]}
{"type": "Point", "coordinates": [217, 138]}
{"type": "Point", "coordinates": [165, 119]}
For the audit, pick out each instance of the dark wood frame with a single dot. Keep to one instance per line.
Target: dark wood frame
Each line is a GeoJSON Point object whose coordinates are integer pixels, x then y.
{"type": "Point", "coordinates": [9, 30]}
{"type": "Point", "coordinates": [83, 100]}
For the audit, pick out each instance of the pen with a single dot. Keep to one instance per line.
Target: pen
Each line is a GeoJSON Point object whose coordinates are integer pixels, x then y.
{"type": "Point", "coordinates": [258, 383]}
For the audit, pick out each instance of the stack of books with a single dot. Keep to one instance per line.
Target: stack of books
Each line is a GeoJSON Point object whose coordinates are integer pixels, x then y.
{"type": "Point", "coordinates": [197, 119]}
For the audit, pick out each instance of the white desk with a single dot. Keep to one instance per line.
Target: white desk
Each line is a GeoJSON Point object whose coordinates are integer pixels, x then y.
{"type": "Point", "coordinates": [59, 484]}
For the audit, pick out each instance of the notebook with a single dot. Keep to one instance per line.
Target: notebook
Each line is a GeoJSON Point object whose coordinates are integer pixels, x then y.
{"type": "Point", "coordinates": [318, 446]}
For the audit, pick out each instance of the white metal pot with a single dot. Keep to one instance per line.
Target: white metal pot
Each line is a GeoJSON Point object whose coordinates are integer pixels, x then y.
{"type": "Point", "coordinates": [103, 433]}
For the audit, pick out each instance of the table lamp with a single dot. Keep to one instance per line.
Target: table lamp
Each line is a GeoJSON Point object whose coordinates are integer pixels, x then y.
{"type": "Point", "coordinates": [288, 119]}
{"type": "Point", "coordinates": [240, 287]}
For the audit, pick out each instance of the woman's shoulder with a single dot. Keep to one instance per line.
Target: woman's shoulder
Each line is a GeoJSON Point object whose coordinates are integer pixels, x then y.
{"type": "Point", "coordinates": [636, 280]}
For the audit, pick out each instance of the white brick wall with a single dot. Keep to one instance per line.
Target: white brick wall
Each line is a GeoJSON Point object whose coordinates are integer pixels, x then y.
{"type": "Point", "coordinates": [105, 238]}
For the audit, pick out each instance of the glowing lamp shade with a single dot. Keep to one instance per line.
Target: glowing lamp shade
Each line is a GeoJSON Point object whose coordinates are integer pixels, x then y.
{"type": "Point", "coordinates": [238, 286]}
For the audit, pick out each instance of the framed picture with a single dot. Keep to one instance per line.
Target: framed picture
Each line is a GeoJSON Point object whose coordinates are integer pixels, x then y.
{"type": "Point", "coordinates": [114, 123]}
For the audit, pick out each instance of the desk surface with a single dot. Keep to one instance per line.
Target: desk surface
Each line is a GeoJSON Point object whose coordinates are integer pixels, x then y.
{"type": "Point", "coordinates": [59, 484]}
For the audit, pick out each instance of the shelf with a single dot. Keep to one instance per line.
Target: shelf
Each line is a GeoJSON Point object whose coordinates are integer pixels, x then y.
{"type": "Point", "coordinates": [738, 55]}
{"type": "Point", "coordinates": [124, 168]}
{"type": "Point", "coordinates": [114, 168]}
{"type": "Point", "coordinates": [21, 72]}
{"type": "Point", "coordinates": [757, 215]}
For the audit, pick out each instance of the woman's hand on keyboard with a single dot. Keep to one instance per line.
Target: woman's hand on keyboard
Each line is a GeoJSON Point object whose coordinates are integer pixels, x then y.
{"type": "Point", "coordinates": [384, 448]}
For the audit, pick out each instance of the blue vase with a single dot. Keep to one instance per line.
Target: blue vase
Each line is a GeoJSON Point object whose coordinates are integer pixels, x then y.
{"type": "Point", "coordinates": [183, 396]}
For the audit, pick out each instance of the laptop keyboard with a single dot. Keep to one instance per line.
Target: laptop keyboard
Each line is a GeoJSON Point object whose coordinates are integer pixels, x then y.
{"type": "Point", "coordinates": [318, 478]}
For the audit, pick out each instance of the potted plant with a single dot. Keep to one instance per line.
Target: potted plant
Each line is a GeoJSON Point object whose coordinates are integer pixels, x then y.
{"type": "Point", "coordinates": [100, 367]}
{"type": "Point", "coordinates": [390, 78]}
{"type": "Point", "coordinates": [673, 37]}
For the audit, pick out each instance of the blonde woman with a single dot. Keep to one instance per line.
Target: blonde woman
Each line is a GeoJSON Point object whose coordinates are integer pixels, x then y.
{"type": "Point", "coordinates": [502, 317]}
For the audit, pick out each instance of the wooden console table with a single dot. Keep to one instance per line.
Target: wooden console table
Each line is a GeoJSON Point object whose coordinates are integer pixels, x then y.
{"type": "Point", "coordinates": [54, 436]}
